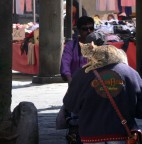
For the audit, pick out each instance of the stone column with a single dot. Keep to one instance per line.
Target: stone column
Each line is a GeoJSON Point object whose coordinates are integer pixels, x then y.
{"type": "Point", "coordinates": [5, 60]}
{"type": "Point", "coordinates": [50, 40]}
{"type": "Point", "coordinates": [139, 36]}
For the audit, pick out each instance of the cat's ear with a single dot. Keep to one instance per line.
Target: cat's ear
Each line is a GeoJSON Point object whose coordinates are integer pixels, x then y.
{"type": "Point", "coordinates": [92, 44]}
{"type": "Point", "coordinates": [81, 44]}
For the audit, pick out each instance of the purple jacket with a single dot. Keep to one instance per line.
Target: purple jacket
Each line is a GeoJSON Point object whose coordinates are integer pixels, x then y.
{"type": "Point", "coordinates": [72, 58]}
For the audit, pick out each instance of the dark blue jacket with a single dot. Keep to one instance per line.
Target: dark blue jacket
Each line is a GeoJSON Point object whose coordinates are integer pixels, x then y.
{"type": "Point", "coordinates": [97, 119]}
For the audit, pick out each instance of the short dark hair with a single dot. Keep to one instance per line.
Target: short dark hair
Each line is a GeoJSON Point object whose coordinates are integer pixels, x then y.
{"type": "Point", "coordinates": [84, 20]}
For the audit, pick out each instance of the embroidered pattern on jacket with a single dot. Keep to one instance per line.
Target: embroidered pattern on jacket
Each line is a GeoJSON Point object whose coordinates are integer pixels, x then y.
{"type": "Point", "coordinates": [113, 82]}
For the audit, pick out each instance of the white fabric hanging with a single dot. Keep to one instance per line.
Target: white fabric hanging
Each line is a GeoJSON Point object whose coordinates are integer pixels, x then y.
{"type": "Point", "coordinates": [20, 6]}
{"type": "Point", "coordinates": [109, 5]}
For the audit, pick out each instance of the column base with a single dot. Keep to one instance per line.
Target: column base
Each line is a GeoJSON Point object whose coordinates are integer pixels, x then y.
{"type": "Point", "coordinates": [47, 80]}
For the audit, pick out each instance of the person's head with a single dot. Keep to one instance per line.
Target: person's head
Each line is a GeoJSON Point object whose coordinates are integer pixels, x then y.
{"type": "Point", "coordinates": [110, 17]}
{"type": "Point", "coordinates": [85, 26]}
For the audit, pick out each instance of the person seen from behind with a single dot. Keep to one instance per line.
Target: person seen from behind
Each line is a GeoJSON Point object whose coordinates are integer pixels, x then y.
{"type": "Point", "coordinates": [98, 121]}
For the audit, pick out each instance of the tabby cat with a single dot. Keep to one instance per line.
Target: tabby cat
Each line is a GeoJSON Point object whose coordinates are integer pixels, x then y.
{"type": "Point", "coordinates": [99, 56]}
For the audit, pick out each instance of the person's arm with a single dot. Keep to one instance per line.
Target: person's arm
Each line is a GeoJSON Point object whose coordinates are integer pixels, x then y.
{"type": "Point", "coordinates": [66, 62]}
{"type": "Point", "coordinates": [74, 95]}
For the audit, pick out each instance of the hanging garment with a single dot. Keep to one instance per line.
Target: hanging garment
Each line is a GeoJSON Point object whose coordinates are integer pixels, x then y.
{"type": "Point", "coordinates": [103, 5]}
{"type": "Point", "coordinates": [128, 2]}
{"type": "Point", "coordinates": [13, 7]}
{"type": "Point", "coordinates": [31, 54]}
{"type": "Point", "coordinates": [20, 6]}
{"type": "Point", "coordinates": [126, 9]}
{"type": "Point", "coordinates": [28, 5]}
{"type": "Point", "coordinates": [112, 5]}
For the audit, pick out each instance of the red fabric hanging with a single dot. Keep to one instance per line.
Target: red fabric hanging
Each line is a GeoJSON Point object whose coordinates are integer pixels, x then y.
{"type": "Point", "coordinates": [128, 2]}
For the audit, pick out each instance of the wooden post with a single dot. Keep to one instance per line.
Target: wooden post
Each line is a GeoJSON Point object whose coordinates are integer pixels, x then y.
{"type": "Point", "coordinates": [50, 40]}
{"type": "Point", "coordinates": [139, 36]}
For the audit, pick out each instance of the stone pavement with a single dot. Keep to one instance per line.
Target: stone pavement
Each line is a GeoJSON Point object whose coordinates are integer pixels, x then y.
{"type": "Point", "coordinates": [48, 99]}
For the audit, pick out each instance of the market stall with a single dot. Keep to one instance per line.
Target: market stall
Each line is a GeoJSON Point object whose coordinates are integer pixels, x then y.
{"type": "Point", "coordinates": [25, 49]}
{"type": "Point", "coordinates": [131, 52]}
{"type": "Point", "coordinates": [20, 62]}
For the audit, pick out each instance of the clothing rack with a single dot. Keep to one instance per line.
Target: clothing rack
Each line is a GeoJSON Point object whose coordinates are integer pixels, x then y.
{"type": "Point", "coordinates": [34, 11]}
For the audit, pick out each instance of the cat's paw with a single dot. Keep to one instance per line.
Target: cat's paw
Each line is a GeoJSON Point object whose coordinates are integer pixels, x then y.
{"type": "Point", "coordinates": [88, 69]}
{"type": "Point", "coordinates": [86, 65]}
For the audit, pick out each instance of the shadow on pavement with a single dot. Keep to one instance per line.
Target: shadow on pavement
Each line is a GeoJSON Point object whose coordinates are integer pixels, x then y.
{"type": "Point", "coordinates": [47, 129]}
{"type": "Point", "coordinates": [51, 108]}
{"type": "Point", "coordinates": [22, 77]}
